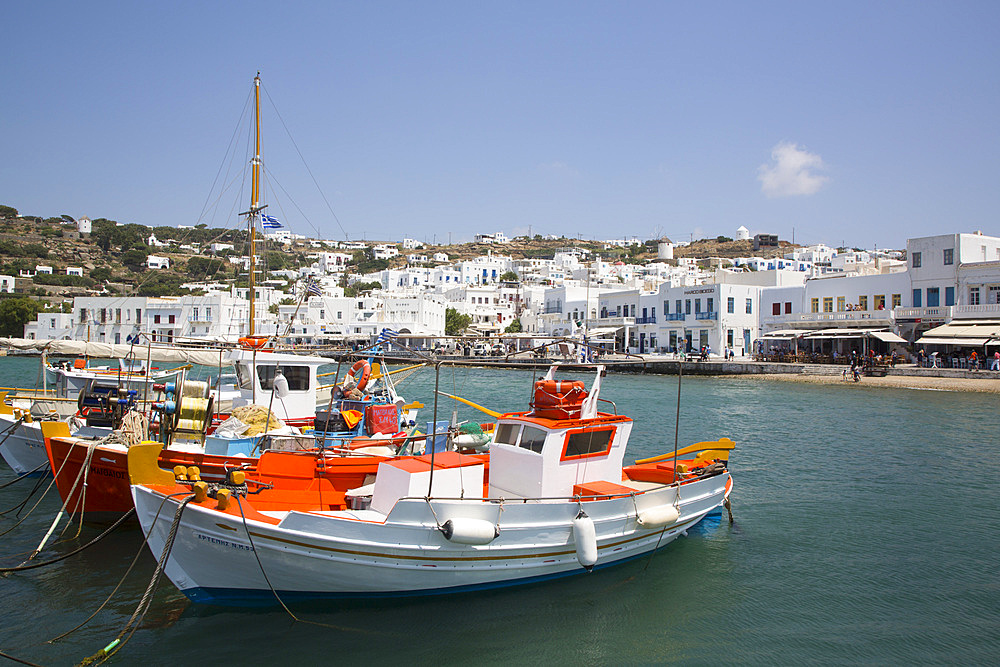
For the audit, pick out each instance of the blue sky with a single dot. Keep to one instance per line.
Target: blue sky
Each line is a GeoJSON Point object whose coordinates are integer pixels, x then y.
{"type": "Point", "coordinates": [863, 123]}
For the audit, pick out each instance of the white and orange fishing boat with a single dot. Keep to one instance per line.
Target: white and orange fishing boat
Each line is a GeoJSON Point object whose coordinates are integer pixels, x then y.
{"type": "Point", "coordinates": [91, 473]}
{"type": "Point", "coordinates": [552, 498]}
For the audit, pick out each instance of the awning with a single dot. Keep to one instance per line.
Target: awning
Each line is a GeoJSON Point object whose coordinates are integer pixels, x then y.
{"type": "Point", "coordinates": [887, 337]}
{"type": "Point", "coordinates": [884, 336]}
{"type": "Point", "coordinates": [149, 351]}
{"type": "Point", "coordinates": [785, 333]}
{"type": "Point", "coordinates": [838, 333]}
{"type": "Point", "coordinates": [603, 331]}
{"type": "Point", "coordinates": [956, 332]}
{"type": "Point", "coordinates": [936, 340]}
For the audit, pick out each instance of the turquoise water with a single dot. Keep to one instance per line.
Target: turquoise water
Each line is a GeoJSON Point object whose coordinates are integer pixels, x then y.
{"type": "Point", "coordinates": [865, 533]}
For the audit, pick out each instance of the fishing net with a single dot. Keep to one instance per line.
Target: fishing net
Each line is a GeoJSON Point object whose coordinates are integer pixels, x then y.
{"type": "Point", "coordinates": [256, 418]}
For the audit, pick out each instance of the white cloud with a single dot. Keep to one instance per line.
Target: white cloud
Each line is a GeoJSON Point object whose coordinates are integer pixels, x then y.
{"type": "Point", "coordinates": [792, 172]}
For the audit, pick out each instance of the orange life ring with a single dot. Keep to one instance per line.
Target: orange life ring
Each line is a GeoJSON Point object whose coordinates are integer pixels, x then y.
{"type": "Point", "coordinates": [366, 372]}
{"type": "Point", "coordinates": [253, 342]}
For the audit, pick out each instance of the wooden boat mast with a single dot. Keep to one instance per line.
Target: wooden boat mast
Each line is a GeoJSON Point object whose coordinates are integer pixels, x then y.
{"type": "Point", "coordinates": [255, 201]}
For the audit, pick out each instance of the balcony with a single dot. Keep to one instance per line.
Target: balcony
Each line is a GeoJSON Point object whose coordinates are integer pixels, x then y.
{"type": "Point", "coordinates": [614, 321]}
{"type": "Point", "coordinates": [200, 319]}
{"type": "Point", "coordinates": [646, 320]}
{"type": "Point", "coordinates": [880, 317]}
{"type": "Point", "coordinates": [984, 310]}
{"type": "Point", "coordinates": [674, 317]}
{"type": "Point", "coordinates": [929, 313]}
{"type": "Point", "coordinates": [707, 315]}
{"type": "Point", "coordinates": [548, 310]}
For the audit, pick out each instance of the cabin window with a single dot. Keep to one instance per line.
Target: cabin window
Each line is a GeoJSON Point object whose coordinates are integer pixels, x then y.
{"type": "Point", "coordinates": [533, 438]}
{"type": "Point", "coordinates": [588, 442]}
{"type": "Point", "coordinates": [507, 434]}
{"type": "Point", "coordinates": [297, 376]}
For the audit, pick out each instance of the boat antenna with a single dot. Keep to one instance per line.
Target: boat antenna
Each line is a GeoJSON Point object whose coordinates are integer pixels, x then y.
{"type": "Point", "coordinates": [677, 419]}
{"type": "Point", "coordinates": [433, 435]}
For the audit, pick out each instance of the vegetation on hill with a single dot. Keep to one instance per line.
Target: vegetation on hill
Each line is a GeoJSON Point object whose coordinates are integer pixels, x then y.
{"type": "Point", "coordinates": [114, 256]}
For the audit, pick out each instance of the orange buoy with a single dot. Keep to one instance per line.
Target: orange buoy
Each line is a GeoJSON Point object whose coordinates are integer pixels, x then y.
{"type": "Point", "coordinates": [365, 369]}
{"type": "Point", "coordinates": [253, 342]}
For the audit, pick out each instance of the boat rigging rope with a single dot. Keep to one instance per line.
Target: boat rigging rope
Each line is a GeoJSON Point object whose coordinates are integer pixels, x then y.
{"type": "Point", "coordinates": [145, 602]}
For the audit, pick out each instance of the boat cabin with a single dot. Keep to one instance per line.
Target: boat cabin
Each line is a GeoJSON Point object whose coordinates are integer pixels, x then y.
{"type": "Point", "coordinates": [537, 457]}
{"type": "Point", "coordinates": [292, 397]}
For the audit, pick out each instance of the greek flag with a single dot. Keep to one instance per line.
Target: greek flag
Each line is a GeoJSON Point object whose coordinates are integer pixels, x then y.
{"type": "Point", "coordinates": [269, 222]}
{"type": "Point", "coordinates": [387, 335]}
{"type": "Point", "coordinates": [312, 287]}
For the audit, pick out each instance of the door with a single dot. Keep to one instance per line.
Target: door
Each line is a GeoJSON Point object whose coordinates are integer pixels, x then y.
{"type": "Point", "coordinates": [746, 341]}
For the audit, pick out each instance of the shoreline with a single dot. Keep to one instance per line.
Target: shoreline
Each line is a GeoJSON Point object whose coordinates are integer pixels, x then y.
{"type": "Point", "coordinates": [986, 385]}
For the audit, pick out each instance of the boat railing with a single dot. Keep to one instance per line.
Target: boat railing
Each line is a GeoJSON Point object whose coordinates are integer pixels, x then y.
{"type": "Point", "coordinates": [613, 406]}
{"type": "Point", "coordinates": [561, 499]}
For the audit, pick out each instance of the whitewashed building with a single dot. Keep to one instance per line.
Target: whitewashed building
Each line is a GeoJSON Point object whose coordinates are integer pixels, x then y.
{"type": "Point", "coordinates": [117, 319]}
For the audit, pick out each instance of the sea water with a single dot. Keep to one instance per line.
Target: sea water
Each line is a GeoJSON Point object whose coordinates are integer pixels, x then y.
{"type": "Point", "coordinates": [865, 532]}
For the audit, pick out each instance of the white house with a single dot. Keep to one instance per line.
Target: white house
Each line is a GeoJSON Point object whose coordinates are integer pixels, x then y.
{"type": "Point", "coordinates": [74, 271]}
{"type": "Point", "coordinates": [84, 225]}
{"type": "Point", "coordinates": [385, 251]}
{"type": "Point", "coordinates": [157, 262]}
{"type": "Point", "coordinates": [412, 244]}
{"type": "Point", "coordinates": [154, 242]}
{"type": "Point", "coordinates": [7, 284]}
{"type": "Point", "coordinates": [742, 233]}
{"type": "Point", "coordinates": [216, 248]}
{"type": "Point", "coordinates": [334, 262]}
{"type": "Point", "coordinates": [41, 268]}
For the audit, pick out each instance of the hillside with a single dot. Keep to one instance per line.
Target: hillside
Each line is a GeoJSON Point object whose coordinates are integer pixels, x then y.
{"type": "Point", "coordinates": [113, 257]}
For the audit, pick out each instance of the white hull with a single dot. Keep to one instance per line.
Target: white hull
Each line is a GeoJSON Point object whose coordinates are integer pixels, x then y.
{"type": "Point", "coordinates": [23, 447]}
{"type": "Point", "coordinates": [356, 554]}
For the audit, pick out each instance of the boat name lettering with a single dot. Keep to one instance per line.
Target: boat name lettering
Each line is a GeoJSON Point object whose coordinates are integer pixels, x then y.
{"type": "Point", "coordinates": [108, 472]}
{"type": "Point", "coordinates": [225, 543]}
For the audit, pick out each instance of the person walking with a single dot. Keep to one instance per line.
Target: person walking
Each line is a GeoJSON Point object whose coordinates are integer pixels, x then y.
{"type": "Point", "coordinates": [974, 361]}
{"type": "Point", "coordinates": [996, 361]}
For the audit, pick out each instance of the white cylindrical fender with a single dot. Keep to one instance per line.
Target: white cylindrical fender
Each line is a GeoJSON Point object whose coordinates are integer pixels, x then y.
{"type": "Point", "coordinates": [469, 531]}
{"type": "Point", "coordinates": [585, 536]}
{"type": "Point", "coordinates": [658, 517]}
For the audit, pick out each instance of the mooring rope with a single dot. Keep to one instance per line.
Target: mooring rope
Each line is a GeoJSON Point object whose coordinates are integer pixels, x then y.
{"type": "Point", "coordinates": [146, 601]}
{"type": "Point", "coordinates": [128, 570]}
{"type": "Point", "coordinates": [62, 510]}
{"type": "Point", "coordinates": [253, 548]}
{"type": "Point", "coordinates": [8, 656]}
{"type": "Point", "coordinates": [25, 501]}
{"type": "Point", "coordinates": [25, 566]}
{"type": "Point", "coordinates": [20, 477]}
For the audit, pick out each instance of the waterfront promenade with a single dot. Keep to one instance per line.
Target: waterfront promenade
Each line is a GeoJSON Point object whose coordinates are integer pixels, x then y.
{"type": "Point", "coordinates": [904, 375]}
